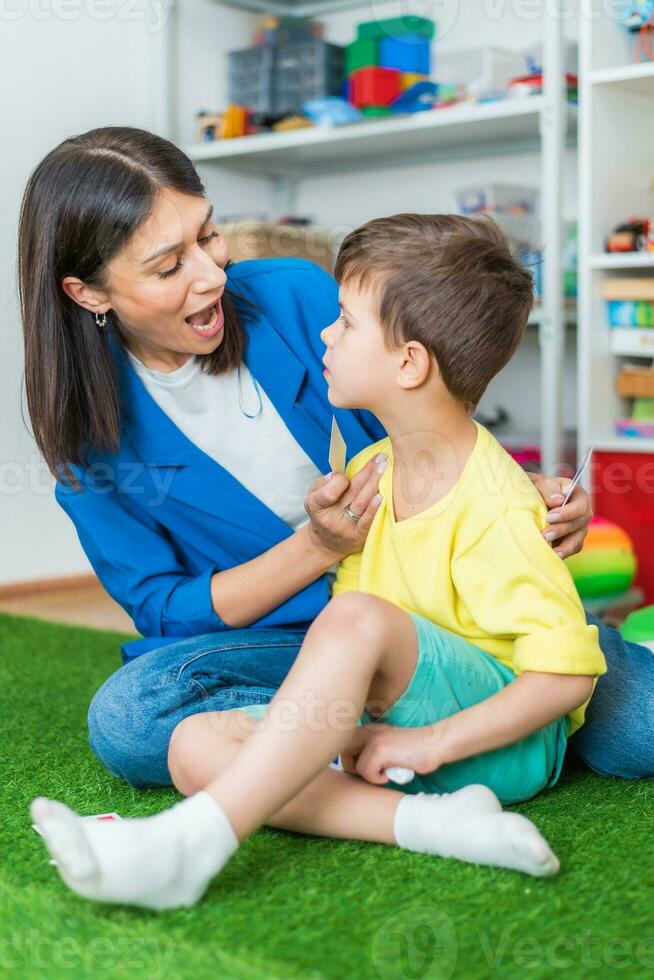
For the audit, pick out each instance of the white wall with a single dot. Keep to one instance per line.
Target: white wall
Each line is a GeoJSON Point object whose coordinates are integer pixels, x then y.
{"type": "Point", "coordinates": [206, 32]}
{"type": "Point", "coordinates": [59, 77]}
{"type": "Point", "coordinates": [65, 68]}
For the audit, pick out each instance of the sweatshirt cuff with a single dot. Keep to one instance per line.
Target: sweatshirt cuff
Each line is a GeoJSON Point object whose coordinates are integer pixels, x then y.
{"type": "Point", "coordinates": [572, 649]}
{"type": "Point", "coordinates": [189, 605]}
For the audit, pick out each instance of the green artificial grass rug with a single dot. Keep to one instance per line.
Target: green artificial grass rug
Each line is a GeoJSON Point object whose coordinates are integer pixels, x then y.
{"type": "Point", "coordinates": [288, 906]}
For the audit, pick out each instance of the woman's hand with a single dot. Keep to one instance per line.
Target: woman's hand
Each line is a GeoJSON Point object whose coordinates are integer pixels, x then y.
{"type": "Point", "coordinates": [331, 529]}
{"type": "Point", "coordinates": [373, 749]}
{"type": "Point", "coordinates": [567, 526]}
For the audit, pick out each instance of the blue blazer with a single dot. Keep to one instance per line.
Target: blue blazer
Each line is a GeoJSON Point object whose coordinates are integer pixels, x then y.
{"type": "Point", "coordinates": [159, 517]}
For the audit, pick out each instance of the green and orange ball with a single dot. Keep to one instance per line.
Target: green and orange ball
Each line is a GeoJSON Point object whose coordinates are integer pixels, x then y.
{"type": "Point", "coordinates": [607, 564]}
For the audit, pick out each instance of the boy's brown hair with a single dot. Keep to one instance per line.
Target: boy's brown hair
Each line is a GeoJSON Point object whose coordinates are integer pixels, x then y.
{"type": "Point", "coordinates": [449, 282]}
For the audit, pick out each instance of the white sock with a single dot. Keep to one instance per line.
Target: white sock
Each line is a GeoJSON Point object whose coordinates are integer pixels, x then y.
{"type": "Point", "coordinates": [467, 802]}
{"type": "Point", "coordinates": [156, 862]}
{"type": "Point", "coordinates": [440, 825]}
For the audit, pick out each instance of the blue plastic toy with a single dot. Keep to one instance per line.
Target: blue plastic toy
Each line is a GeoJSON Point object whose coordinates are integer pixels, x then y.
{"type": "Point", "coordinates": [332, 111]}
{"type": "Point", "coordinates": [418, 98]}
{"type": "Point", "coordinates": [408, 52]}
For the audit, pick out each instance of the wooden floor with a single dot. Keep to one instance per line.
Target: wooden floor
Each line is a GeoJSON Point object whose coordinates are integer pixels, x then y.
{"type": "Point", "coordinates": [87, 605]}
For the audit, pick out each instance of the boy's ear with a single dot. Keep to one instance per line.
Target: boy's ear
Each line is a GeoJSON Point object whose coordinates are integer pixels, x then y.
{"type": "Point", "coordinates": [415, 365]}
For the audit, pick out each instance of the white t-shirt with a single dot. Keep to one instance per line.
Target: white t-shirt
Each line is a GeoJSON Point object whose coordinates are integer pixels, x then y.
{"type": "Point", "coordinates": [259, 452]}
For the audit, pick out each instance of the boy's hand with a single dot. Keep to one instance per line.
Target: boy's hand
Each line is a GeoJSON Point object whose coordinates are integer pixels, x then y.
{"type": "Point", "coordinates": [375, 748]}
{"type": "Point", "coordinates": [567, 526]}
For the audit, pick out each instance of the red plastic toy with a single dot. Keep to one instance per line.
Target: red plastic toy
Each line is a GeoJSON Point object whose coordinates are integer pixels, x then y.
{"type": "Point", "coordinates": [375, 86]}
{"type": "Point", "coordinates": [629, 237]}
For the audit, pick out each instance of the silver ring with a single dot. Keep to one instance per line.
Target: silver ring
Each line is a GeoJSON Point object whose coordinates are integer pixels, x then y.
{"type": "Point", "coordinates": [353, 517]}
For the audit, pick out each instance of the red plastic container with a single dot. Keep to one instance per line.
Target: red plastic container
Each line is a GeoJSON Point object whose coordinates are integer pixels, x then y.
{"type": "Point", "coordinates": [375, 86]}
{"type": "Point", "coordinates": [623, 492]}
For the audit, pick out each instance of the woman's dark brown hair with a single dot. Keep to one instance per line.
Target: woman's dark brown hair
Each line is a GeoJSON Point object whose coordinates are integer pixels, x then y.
{"type": "Point", "coordinates": [82, 204]}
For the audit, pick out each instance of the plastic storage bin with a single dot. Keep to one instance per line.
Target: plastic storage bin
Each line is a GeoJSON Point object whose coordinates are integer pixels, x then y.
{"type": "Point", "coordinates": [498, 199]}
{"type": "Point", "coordinates": [361, 54]}
{"type": "Point", "coordinates": [375, 87]}
{"type": "Point", "coordinates": [392, 26]}
{"type": "Point", "coordinates": [408, 52]}
{"type": "Point", "coordinates": [483, 71]}
{"type": "Point", "coordinates": [251, 73]}
{"type": "Point", "coordinates": [306, 70]}
{"type": "Point", "coordinates": [279, 78]}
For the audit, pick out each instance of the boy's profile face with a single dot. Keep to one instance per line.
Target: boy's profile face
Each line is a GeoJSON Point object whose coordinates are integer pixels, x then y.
{"type": "Point", "coordinates": [361, 370]}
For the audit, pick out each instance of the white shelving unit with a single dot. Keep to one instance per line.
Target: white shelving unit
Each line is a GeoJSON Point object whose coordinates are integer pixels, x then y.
{"type": "Point", "coordinates": [497, 127]}
{"type": "Point", "coordinates": [616, 163]}
{"type": "Point", "coordinates": [545, 123]}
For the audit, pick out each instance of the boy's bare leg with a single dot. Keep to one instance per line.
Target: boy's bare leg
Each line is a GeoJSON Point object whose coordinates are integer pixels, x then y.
{"type": "Point", "coordinates": [334, 804]}
{"type": "Point", "coordinates": [360, 650]}
{"type": "Point", "coordinates": [360, 645]}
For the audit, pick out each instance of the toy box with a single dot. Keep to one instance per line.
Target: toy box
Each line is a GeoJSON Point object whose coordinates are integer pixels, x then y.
{"type": "Point", "coordinates": [362, 53]}
{"type": "Point", "coordinates": [393, 26]}
{"type": "Point", "coordinates": [375, 86]}
{"type": "Point", "coordinates": [635, 381]}
{"type": "Point", "coordinates": [306, 70]}
{"type": "Point", "coordinates": [250, 77]}
{"type": "Point", "coordinates": [279, 78]}
{"type": "Point", "coordinates": [408, 52]}
{"type": "Point", "coordinates": [498, 198]}
{"type": "Point", "coordinates": [482, 71]}
{"type": "Point", "coordinates": [272, 29]}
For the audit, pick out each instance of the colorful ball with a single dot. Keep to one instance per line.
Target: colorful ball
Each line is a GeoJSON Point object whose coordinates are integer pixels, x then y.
{"type": "Point", "coordinates": [607, 564]}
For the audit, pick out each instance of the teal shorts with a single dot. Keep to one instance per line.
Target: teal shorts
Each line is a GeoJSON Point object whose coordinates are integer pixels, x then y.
{"type": "Point", "coordinates": [450, 675]}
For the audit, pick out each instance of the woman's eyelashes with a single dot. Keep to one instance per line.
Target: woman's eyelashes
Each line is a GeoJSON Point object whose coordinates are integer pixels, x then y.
{"type": "Point", "coordinates": [203, 241]}
{"type": "Point", "coordinates": [169, 272]}
{"type": "Point", "coordinates": [209, 237]}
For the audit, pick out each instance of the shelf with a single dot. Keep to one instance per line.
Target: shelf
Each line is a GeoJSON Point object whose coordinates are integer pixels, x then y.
{"type": "Point", "coordinates": [512, 125]}
{"type": "Point", "coordinates": [622, 260]}
{"type": "Point", "coordinates": [637, 79]}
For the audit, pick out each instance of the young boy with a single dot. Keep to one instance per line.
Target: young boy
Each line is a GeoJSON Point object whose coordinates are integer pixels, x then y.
{"type": "Point", "coordinates": [456, 626]}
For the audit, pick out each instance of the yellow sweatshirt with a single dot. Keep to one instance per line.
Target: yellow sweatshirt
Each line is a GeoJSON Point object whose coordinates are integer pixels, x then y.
{"type": "Point", "coordinates": [475, 563]}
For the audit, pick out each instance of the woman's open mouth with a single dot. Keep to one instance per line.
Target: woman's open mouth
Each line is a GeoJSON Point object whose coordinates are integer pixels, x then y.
{"type": "Point", "coordinates": [207, 322]}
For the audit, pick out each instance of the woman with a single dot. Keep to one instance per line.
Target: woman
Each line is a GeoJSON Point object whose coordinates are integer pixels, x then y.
{"type": "Point", "coordinates": [180, 401]}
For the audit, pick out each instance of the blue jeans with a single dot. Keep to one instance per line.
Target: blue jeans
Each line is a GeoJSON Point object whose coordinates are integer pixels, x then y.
{"type": "Point", "coordinates": [132, 716]}
{"type": "Point", "coordinates": [617, 737]}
